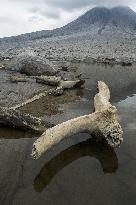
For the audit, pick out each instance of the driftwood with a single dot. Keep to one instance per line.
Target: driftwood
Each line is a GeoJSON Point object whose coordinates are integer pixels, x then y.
{"type": "Point", "coordinates": [18, 78]}
{"type": "Point", "coordinates": [102, 123]}
{"type": "Point", "coordinates": [14, 118]}
{"type": "Point", "coordinates": [59, 83]}
{"type": "Point", "coordinates": [48, 80]}
{"type": "Point", "coordinates": [30, 100]}
{"type": "Point", "coordinates": [58, 91]}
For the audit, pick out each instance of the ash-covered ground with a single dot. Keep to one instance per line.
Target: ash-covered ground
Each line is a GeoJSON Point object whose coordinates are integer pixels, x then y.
{"type": "Point", "coordinates": [103, 36]}
{"type": "Point", "coordinates": [111, 46]}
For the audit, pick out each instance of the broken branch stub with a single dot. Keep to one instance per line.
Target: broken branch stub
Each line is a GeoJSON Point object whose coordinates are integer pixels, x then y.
{"type": "Point", "coordinates": [102, 123]}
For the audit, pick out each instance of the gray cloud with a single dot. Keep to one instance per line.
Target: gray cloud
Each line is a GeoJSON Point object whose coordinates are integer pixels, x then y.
{"type": "Point", "coordinates": [34, 18]}
{"type": "Point", "coordinates": [76, 4]}
{"type": "Point", "coordinates": [51, 8]}
{"type": "Point", "coordinates": [70, 5]}
{"type": "Point", "coordinates": [51, 14]}
{"type": "Point", "coordinates": [21, 16]}
{"type": "Point", "coordinates": [46, 12]}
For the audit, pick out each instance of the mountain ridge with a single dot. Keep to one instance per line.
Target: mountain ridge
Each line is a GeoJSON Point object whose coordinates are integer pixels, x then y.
{"type": "Point", "coordinates": [121, 16]}
{"type": "Point", "coordinates": [116, 16]}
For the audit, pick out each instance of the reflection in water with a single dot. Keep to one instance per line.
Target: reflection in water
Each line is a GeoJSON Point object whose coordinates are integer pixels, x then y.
{"type": "Point", "coordinates": [101, 151]}
{"type": "Point", "coordinates": [13, 133]}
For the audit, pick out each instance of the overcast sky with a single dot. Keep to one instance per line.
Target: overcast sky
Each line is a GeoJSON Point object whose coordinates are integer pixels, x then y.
{"type": "Point", "coordinates": [22, 16]}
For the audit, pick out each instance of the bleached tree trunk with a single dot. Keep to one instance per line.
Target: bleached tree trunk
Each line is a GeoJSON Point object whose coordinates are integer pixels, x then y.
{"type": "Point", "coordinates": [60, 84]}
{"type": "Point", "coordinates": [15, 118]}
{"type": "Point", "coordinates": [48, 80]}
{"type": "Point", "coordinates": [102, 123]}
{"type": "Point", "coordinates": [30, 100]}
{"type": "Point", "coordinates": [57, 81]}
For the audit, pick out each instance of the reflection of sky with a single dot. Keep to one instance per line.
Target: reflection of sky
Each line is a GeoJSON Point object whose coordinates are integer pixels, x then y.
{"type": "Point", "coordinates": [127, 113]}
{"type": "Point", "coordinates": [128, 102]}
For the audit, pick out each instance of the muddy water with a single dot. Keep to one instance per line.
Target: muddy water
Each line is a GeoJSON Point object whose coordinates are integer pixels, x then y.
{"type": "Point", "coordinates": [75, 172]}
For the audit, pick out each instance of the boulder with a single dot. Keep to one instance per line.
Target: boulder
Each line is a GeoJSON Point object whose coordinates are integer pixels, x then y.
{"type": "Point", "coordinates": [2, 66]}
{"type": "Point", "coordinates": [31, 65]}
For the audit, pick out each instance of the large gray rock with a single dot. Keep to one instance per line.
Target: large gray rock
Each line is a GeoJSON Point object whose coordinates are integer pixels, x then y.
{"type": "Point", "coordinates": [31, 65]}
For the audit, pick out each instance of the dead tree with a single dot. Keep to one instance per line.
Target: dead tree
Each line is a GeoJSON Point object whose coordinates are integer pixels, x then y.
{"type": "Point", "coordinates": [14, 118]}
{"type": "Point", "coordinates": [60, 84]}
{"type": "Point", "coordinates": [30, 100]}
{"type": "Point", "coordinates": [102, 123]}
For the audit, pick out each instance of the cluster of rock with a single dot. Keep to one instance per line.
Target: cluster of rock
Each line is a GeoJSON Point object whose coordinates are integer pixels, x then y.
{"type": "Point", "coordinates": [84, 46]}
{"type": "Point", "coordinates": [30, 64]}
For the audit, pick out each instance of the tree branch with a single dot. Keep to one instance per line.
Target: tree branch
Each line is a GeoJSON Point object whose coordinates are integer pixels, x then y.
{"type": "Point", "coordinates": [102, 123]}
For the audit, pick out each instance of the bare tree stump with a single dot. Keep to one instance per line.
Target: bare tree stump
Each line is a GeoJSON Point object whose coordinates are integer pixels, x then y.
{"type": "Point", "coordinates": [102, 123]}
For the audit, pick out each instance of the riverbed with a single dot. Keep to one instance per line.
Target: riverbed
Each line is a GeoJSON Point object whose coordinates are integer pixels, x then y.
{"type": "Point", "coordinates": [78, 171]}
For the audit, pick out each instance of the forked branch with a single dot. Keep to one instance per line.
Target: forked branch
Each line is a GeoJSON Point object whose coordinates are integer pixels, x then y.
{"type": "Point", "coordinates": [102, 123]}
